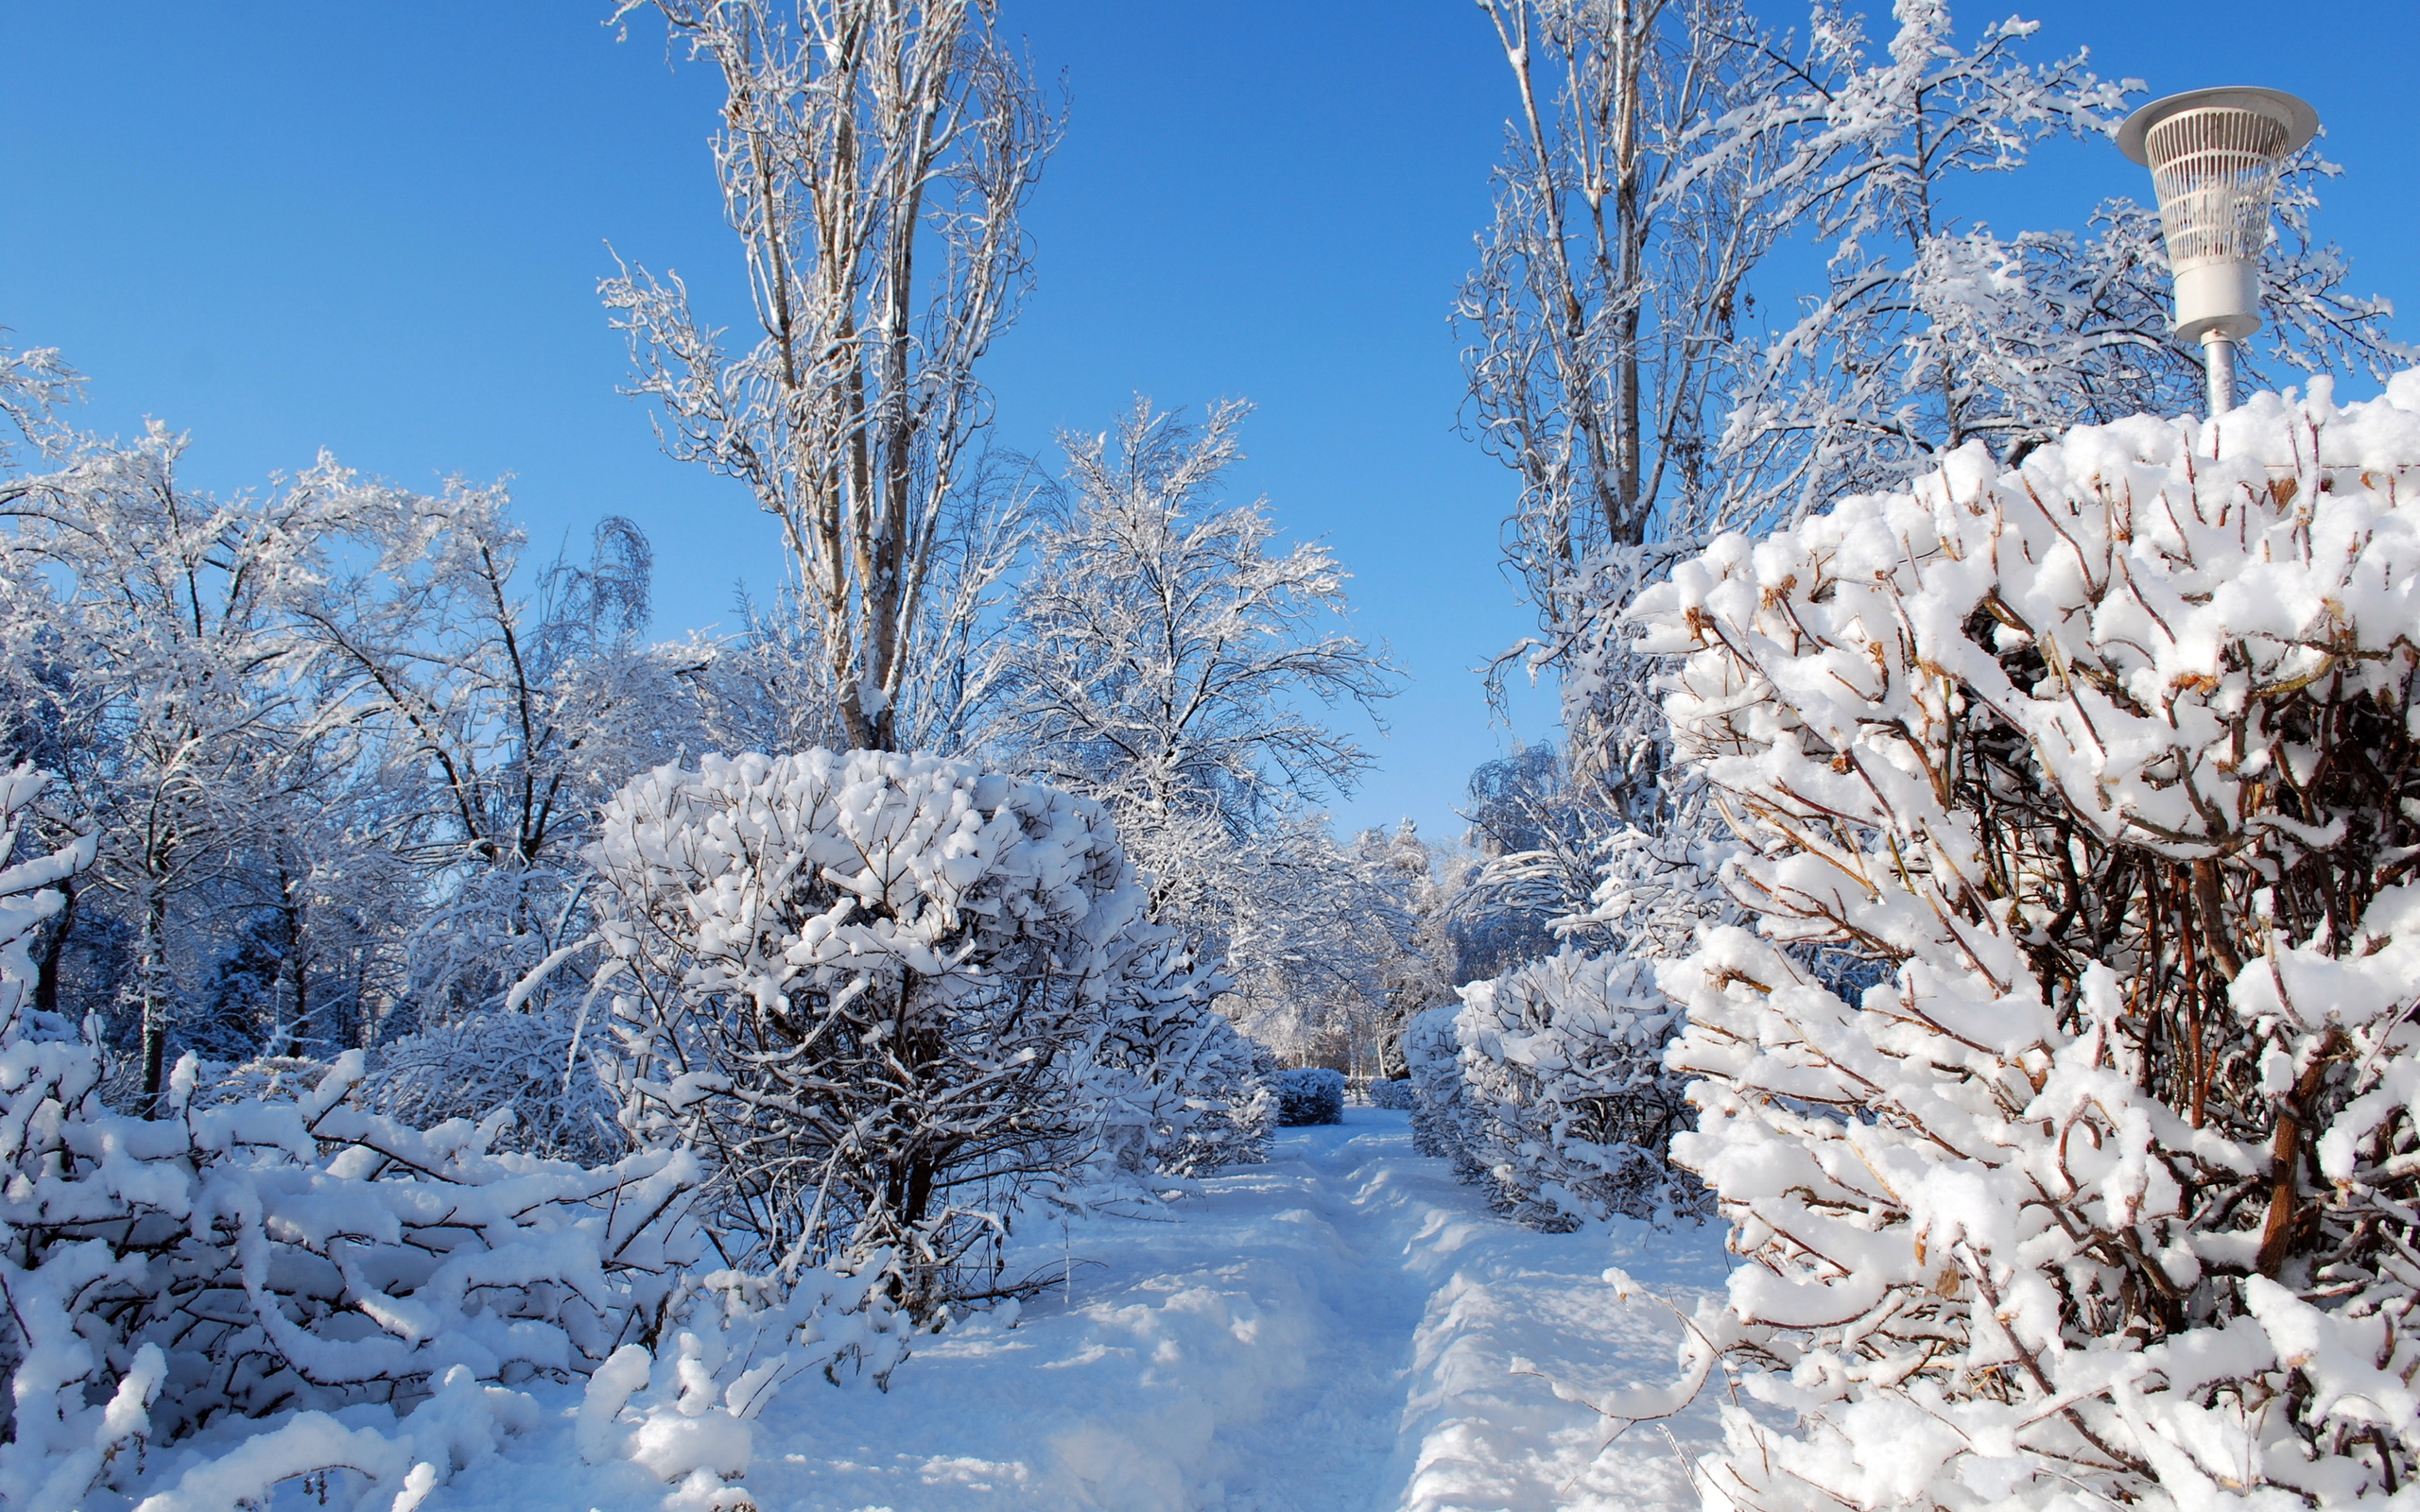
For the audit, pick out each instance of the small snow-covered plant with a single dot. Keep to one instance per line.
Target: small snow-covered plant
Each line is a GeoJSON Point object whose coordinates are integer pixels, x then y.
{"type": "Point", "coordinates": [1440, 1116]}
{"type": "Point", "coordinates": [1172, 1088]}
{"type": "Point", "coordinates": [1569, 1111]}
{"type": "Point", "coordinates": [2105, 1193]}
{"type": "Point", "coordinates": [1310, 1094]}
{"type": "Point", "coordinates": [684, 1410]}
{"type": "Point", "coordinates": [888, 995]}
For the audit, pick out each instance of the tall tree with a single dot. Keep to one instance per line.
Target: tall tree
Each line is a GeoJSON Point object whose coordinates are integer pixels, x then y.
{"type": "Point", "coordinates": [1603, 317]}
{"type": "Point", "coordinates": [1167, 658]}
{"type": "Point", "coordinates": [873, 156]}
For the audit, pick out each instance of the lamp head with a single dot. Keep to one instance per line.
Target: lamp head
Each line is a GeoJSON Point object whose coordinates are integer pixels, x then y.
{"type": "Point", "coordinates": [2214, 155]}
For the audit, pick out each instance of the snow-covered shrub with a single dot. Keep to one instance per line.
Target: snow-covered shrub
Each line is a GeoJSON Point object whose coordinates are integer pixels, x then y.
{"type": "Point", "coordinates": [888, 995]}
{"type": "Point", "coordinates": [291, 1255]}
{"type": "Point", "coordinates": [1440, 1116]}
{"type": "Point", "coordinates": [1310, 1094]}
{"type": "Point", "coordinates": [533, 1062]}
{"type": "Point", "coordinates": [684, 1410]}
{"type": "Point", "coordinates": [1568, 1109]}
{"type": "Point", "coordinates": [1187, 1093]}
{"type": "Point", "coordinates": [294, 1255]}
{"type": "Point", "coordinates": [2105, 1195]}
{"type": "Point", "coordinates": [1393, 1094]}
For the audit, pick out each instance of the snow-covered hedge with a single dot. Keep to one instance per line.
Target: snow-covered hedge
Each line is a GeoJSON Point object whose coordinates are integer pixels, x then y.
{"type": "Point", "coordinates": [888, 995]}
{"type": "Point", "coordinates": [1567, 1109]}
{"type": "Point", "coordinates": [244, 1292]}
{"type": "Point", "coordinates": [1392, 1092]}
{"type": "Point", "coordinates": [2105, 1195]}
{"type": "Point", "coordinates": [1308, 1095]}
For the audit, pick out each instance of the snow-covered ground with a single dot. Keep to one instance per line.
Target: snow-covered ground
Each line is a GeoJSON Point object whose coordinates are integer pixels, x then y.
{"type": "Point", "coordinates": [1332, 1332]}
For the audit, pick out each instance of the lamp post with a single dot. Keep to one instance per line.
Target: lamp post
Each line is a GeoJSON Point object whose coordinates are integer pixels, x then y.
{"type": "Point", "coordinates": [2213, 155]}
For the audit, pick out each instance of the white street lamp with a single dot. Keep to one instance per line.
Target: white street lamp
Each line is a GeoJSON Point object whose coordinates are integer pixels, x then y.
{"type": "Point", "coordinates": [2213, 155]}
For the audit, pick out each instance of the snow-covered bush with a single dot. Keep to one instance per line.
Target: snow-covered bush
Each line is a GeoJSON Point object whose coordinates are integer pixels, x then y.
{"type": "Point", "coordinates": [684, 1410]}
{"type": "Point", "coordinates": [2105, 1195]}
{"type": "Point", "coordinates": [888, 995]}
{"type": "Point", "coordinates": [1188, 1093]}
{"type": "Point", "coordinates": [1393, 1094]}
{"type": "Point", "coordinates": [1568, 1110]}
{"type": "Point", "coordinates": [1440, 1115]}
{"type": "Point", "coordinates": [1310, 1094]}
{"type": "Point", "coordinates": [285, 1284]}
{"type": "Point", "coordinates": [533, 1062]}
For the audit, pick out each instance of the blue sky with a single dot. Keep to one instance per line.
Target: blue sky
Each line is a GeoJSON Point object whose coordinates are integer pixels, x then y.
{"type": "Point", "coordinates": [378, 230]}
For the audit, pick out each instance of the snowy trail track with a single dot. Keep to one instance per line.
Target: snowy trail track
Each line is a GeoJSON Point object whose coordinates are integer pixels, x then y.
{"type": "Point", "coordinates": [1331, 1331]}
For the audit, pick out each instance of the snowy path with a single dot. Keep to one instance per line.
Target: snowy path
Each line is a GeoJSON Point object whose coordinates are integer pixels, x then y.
{"type": "Point", "coordinates": [1327, 1333]}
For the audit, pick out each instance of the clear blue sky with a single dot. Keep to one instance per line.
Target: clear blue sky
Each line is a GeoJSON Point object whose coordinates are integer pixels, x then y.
{"type": "Point", "coordinates": [379, 229]}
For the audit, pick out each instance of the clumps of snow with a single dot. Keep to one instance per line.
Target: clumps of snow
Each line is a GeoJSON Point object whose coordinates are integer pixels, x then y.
{"type": "Point", "coordinates": [2105, 1193]}
{"type": "Point", "coordinates": [1308, 1095]}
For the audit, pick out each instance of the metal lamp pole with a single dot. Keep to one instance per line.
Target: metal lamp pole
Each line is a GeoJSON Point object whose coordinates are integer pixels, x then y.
{"type": "Point", "coordinates": [2213, 155]}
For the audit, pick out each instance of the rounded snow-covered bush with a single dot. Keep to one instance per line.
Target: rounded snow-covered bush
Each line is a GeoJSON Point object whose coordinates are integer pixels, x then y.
{"type": "Point", "coordinates": [886, 994]}
{"type": "Point", "coordinates": [2104, 1195]}
{"type": "Point", "coordinates": [1308, 1095]}
{"type": "Point", "coordinates": [1392, 1092]}
{"type": "Point", "coordinates": [1568, 1110]}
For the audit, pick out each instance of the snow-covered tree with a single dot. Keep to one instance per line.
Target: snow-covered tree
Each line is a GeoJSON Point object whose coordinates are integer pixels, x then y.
{"type": "Point", "coordinates": [1533, 843]}
{"type": "Point", "coordinates": [873, 156]}
{"type": "Point", "coordinates": [887, 996]}
{"type": "Point", "coordinates": [2106, 1190]}
{"type": "Point", "coordinates": [339, 748]}
{"type": "Point", "coordinates": [150, 627]}
{"type": "Point", "coordinates": [1166, 648]}
{"type": "Point", "coordinates": [34, 381]}
{"type": "Point", "coordinates": [1166, 657]}
{"type": "Point", "coordinates": [1931, 330]}
{"type": "Point", "coordinates": [495, 722]}
{"type": "Point", "coordinates": [1609, 285]}
{"type": "Point", "coordinates": [1327, 945]}
{"type": "Point", "coordinates": [1604, 319]}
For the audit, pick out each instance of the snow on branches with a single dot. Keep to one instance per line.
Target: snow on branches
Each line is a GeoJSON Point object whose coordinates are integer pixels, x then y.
{"type": "Point", "coordinates": [1562, 1072]}
{"type": "Point", "coordinates": [887, 994]}
{"type": "Point", "coordinates": [232, 1294]}
{"type": "Point", "coordinates": [1547, 1088]}
{"type": "Point", "coordinates": [2106, 1191]}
